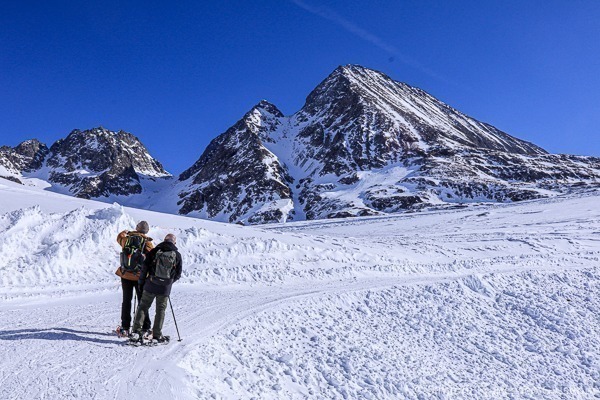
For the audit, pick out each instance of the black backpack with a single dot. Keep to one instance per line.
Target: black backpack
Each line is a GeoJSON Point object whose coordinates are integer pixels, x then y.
{"type": "Point", "coordinates": [132, 256]}
{"type": "Point", "coordinates": [165, 263]}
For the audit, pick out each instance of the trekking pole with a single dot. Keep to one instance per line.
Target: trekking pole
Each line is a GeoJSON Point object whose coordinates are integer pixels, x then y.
{"type": "Point", "coordinates": [174, 320]}
{"type": "Point", "coordinates": [134, 307]}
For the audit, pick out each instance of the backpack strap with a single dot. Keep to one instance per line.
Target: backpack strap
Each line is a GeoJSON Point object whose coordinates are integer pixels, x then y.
{"type": "Point", "coordinates": [156, 255]}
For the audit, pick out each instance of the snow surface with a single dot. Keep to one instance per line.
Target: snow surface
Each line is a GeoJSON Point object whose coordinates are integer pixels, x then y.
{"type": "Point", "coordinates": [498, 301]}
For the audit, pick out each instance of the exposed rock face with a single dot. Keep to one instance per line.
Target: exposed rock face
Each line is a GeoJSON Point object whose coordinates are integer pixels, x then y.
{"type": "Point", "coordinates": [361, 119]}
{"type": "Point", "coordinates": [364, 144]}
{"type": "Point", "coordinates": [26, 157]}
{"type": "Point", "coordinates": [100, 163]}
{"type": "Point", "coordinates": [238, 179]}
{"type": "Point", "coordinates": [94, 163]}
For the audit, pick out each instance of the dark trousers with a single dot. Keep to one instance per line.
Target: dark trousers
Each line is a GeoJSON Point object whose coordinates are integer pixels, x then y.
{"type": "Point", "coordinates": [128, 288]}
{"type": "Point", "coordinates": [142, 312]}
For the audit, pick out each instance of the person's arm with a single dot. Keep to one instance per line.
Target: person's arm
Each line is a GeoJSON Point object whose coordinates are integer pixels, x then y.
{"type": "Point", "coordinates": [148, 246]}
{"type": "Point", "coordinates": [142, 278]}
{"type": "Point", "coordinates": [178, 268]}
{"type": "Point", "coordinates": [122, 238]}
{"type": "Point", "coordinates": [145, 268]}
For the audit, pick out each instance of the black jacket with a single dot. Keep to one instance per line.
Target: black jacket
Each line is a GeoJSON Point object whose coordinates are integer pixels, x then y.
{"type": "Point", "coordinates": [148, 271]}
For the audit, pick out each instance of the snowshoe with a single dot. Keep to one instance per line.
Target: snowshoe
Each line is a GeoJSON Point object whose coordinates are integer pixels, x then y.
{"type": "Point", "coordinates": [136, 339]}
{"type": "Point", "coordinates": [163, 339]}
{"type": "Point", "coordinates": [159, 341]}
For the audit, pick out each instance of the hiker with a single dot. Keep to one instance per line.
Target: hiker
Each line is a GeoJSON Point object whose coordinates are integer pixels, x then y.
{"type": "Point", "coordinates": [161, 268]}
{"type": "Point", "coordinates": [135, 247]}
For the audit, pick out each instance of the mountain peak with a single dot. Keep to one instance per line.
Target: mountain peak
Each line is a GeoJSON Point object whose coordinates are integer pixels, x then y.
{"type": "Point", "coordinates": [30, 146]}
{"type": "Point", "coordinates": [25, 157]}
{"type": "Point", "coordinates": [96, 131]}
{"type": "Point", "coordinates": [265, 106]}
{"type": "Point", "coordinates": [359, 75]}
{"type": "Point", "coordinates": [351, 69]}
{"type": "Point", "coordinates": [98, 162]}
{"type": "Point", "coordinates": [345, 87]}
{"type": "Point", "coordinates": [261, 118]}
{"type": "Point", "coordinates": [30, 142]}
{"type": "Point", "coordinates": [34, 152]}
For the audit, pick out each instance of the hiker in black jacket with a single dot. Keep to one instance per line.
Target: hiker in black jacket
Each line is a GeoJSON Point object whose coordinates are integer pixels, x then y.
{"type": "Point", "coordinates": [161, 268]}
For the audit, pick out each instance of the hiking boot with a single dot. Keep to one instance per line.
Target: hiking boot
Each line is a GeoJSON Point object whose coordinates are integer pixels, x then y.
{"type": "Point", "coordinates": [147, 334]}
{"type": "Point", "coordinates": [123, 332]}
{"type": "Point", "coordinates": [137, 337]}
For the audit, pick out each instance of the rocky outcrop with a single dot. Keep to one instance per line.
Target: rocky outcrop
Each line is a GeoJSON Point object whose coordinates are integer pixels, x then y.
{"type": "Point", "coordinates": [95, 163]}
{"type": "Point", "coordinates": [101, 163]}
{"type": "Point", "coordinates": [26, 157]}
{"type": "Point", "coordinates": [237, 179]}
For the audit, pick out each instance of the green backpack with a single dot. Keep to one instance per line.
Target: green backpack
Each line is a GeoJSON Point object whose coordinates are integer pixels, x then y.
{"type": "Point", "coordinates": [132, 256]}
{"type": "Point", "coordinates": [165, 263]}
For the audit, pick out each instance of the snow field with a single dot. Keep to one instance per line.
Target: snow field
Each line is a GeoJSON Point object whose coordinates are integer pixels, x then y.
{"type": "Point", "coordinates": [483, 302]}
{"type": "Point", "coordinates": [50, 250]}
{"type": "Point", "coordinates": [529, 335]}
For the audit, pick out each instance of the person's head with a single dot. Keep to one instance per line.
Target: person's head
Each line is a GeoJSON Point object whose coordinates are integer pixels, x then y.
{"type": "Point", "coordinates": [142, 227]}
{"type": "Point", "coordinates": [171, 238]}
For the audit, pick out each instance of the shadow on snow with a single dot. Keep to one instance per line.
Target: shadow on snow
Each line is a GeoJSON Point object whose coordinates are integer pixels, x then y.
{"type": "Point", "coordinates": [57, 334]}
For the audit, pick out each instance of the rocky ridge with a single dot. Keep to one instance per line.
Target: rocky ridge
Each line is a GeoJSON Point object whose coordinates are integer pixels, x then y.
{"type": "Point", "coordinates": [95, 163]}
{"type": "Point", "coordinates": [237, 166]}
{"type": "Point", "coordinates": [26, 157]}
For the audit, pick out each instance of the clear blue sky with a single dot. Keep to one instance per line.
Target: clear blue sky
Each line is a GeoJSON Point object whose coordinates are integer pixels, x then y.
{"type": "Point", "coordinates": [177, 74]}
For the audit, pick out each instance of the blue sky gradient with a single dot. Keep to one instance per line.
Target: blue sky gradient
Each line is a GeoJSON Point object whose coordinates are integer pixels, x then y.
{"type": "Point", "coordinates": [179, 74]}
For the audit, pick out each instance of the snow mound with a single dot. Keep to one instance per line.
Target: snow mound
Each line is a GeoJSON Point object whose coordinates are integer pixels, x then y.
{"type": "Point", "coordinates": [42, 248]}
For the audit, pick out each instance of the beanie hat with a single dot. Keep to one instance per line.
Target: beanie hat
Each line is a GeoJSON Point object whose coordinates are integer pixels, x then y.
{"type": "Point", "coordinates": [142, 227]}
{"type": "Point", "coordinates": [170, 238]}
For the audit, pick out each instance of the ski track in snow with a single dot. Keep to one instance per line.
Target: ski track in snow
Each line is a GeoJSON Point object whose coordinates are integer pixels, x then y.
{"type": "Point", "coordinates": [497, 301]}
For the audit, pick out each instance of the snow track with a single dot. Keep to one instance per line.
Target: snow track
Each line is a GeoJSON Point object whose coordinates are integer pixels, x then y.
{"type": "Point", "coordinates": [59, 351]}
{"type": "Point", "coordinates": [58, 338]}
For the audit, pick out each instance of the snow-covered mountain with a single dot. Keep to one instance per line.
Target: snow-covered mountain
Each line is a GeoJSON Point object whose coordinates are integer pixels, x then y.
{"type": "Point", "coordinates": [237, 178]}
{"type": "Point", "coordinates": [25, 158]}
{"type": "Point", "coordinates": [94, 163]}
{"type": "Point", "coordinates": [364, 144]}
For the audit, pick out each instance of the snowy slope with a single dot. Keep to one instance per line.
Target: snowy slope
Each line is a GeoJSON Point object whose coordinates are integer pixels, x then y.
{"type": "Point", "coordinates": [489, 302]}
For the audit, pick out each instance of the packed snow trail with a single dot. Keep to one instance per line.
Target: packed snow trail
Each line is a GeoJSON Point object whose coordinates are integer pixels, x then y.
{"type": "Point", "coordinates": [68, 347]}
{"type": "Point", "coordinates": [84, 359]}
{"type": "Point", "coordinates": [65, 348]}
